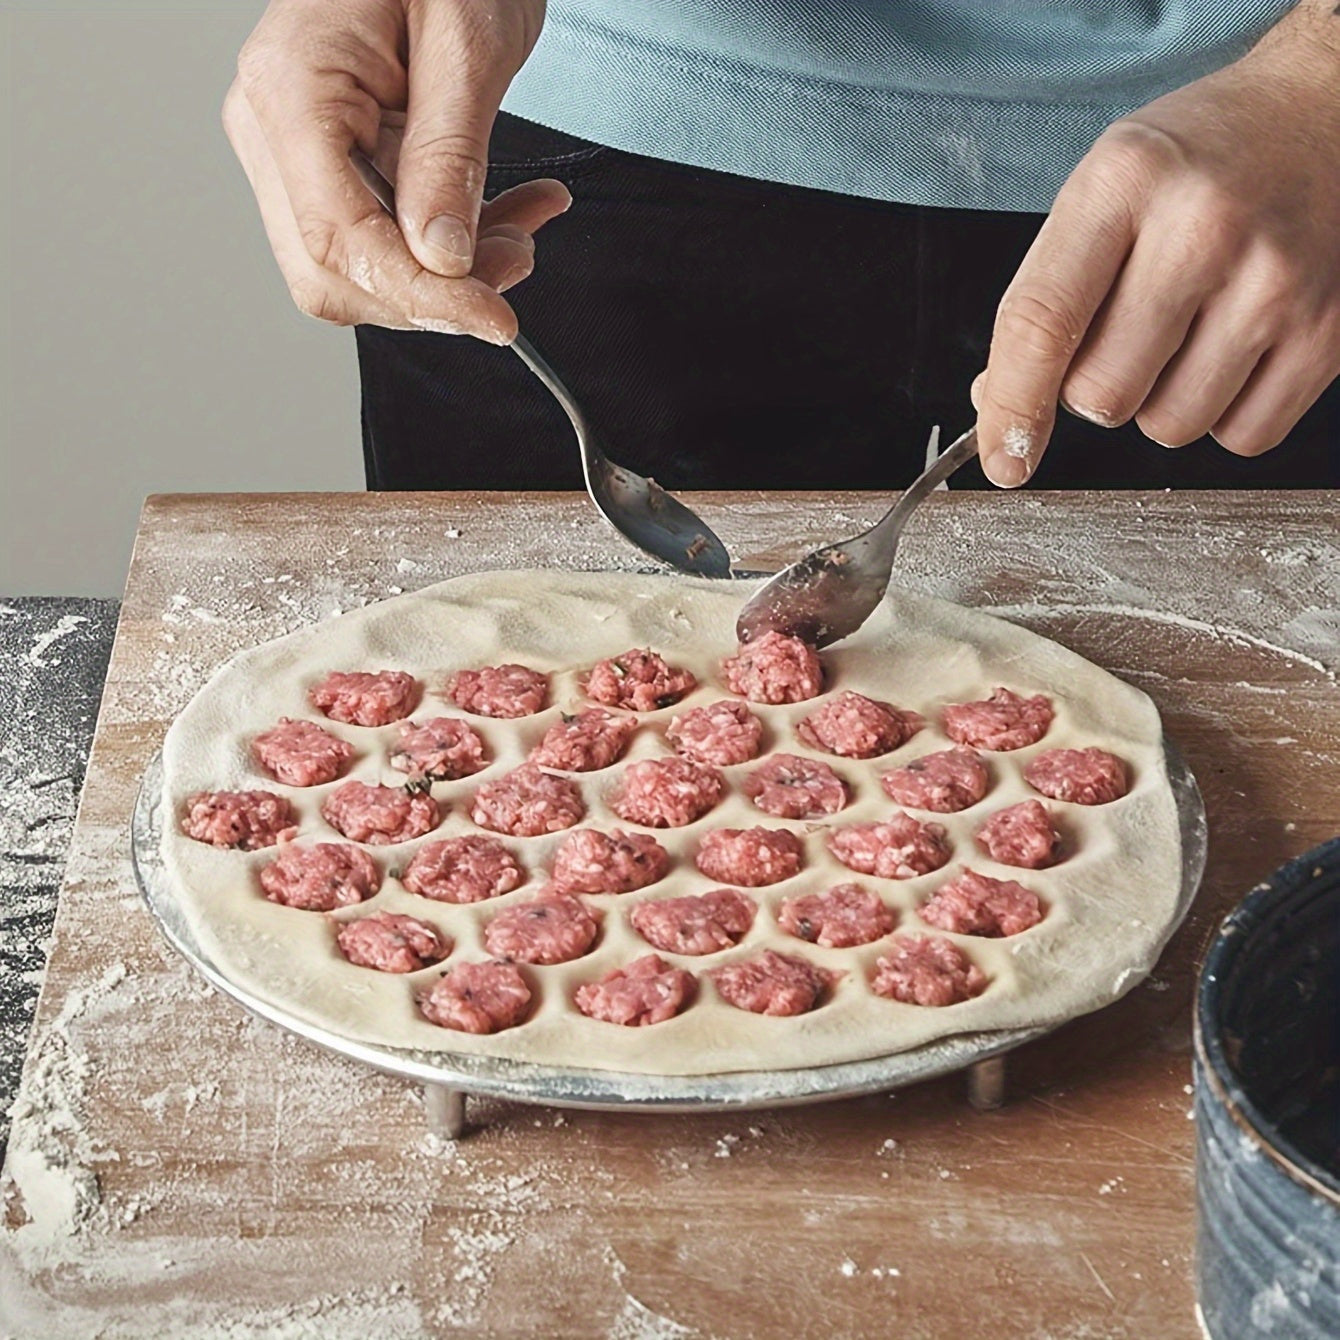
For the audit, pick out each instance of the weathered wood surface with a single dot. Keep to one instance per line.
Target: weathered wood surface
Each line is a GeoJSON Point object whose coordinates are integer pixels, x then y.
{"type": "Point", "coordinates": [222, 1178]}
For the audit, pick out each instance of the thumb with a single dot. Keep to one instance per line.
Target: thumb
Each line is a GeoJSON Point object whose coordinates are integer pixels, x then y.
{"type": "Point", "coordinates": [456, 84]}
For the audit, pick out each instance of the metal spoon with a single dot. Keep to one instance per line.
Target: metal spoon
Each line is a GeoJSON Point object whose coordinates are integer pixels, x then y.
{"type": "Point", "coordinates": [830, 593]}
{"type": "Point", "coordinates": [638, 508]}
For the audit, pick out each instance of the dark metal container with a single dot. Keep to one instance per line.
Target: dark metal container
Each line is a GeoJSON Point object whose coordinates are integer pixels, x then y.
{"type": "Point", "coordinates": [1267, 1103]}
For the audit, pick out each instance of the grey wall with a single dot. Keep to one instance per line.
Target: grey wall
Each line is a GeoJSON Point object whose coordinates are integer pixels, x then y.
{"type": "Point", "coordinates": [151, 345]}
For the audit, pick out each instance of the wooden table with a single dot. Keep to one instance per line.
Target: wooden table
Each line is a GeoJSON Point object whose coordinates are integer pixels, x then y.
{"type": "Point", "coordinates": [178, 1169]}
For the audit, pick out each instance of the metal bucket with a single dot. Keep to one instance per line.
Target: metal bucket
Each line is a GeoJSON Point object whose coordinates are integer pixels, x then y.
{"type": "Point", "coordinates": [1267, 1106]}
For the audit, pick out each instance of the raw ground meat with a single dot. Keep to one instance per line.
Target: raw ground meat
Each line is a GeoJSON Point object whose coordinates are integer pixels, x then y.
{"type": "Point", "coordinates": [301, 753]}
{"type": "Point", "coordinates": [775, 669]}
{"type": "Point", "coordinates": [243, 820]}
{"type": "Point", "coordinates": [1021, 835]}
{"type": "Point", "coordinates": [1081, 776]}
{"type": "Point", "coordinates": [477, 998]}
{"type": "Point", "coordinates": [379, 815]}
{"type": "Point", "coordinates": [554, 928]}
{"type": "Point", "coordinates": [498, 691]}
{"type": "Point", "coordinates": [721, 733]}
{"type": "Point", "coordinates": [321, 877]}
{"type": "Point", "coordinates": [790, 787]}
{"type": "Point", "coordinates": [697, 923]}
{"type": "Point", "coordinates": [647, 991]}
{"type": "Point", "coordinates": [857, 727]}
{"type": "Point", "coordinates": [976, 904]}
{"type": "Point", "coordinates": [666, 792]}
{"type": "Point", "coordinates": [750, 856]}
{"type": "Point", "coordinates": [1002, 721]}
{"type": "Point", "coordinates": [772, 983]}
{"type": "Point", "coordinates": [613, 862]}
{"type": "Point", "coordinates": [463, 870]}
{"type": "Point", "coordinates": [945, 783]}
{"type": "Point", "coordinates": [640, 680]}
{"type": "Point", "coordinates": [584, 743]}
{"type": "Point", "coordinates": [527, 802]}
{"type": "Point", "coordinates": [364, 698]}
{"type": "Point", "coordinates": [900, 848]}
{"type": "Point", "coordinates": [390, 942]}
{"type": "Point", "coordinates": [444, 749]}
{"type": "Point", "coordinates": [927, 970]}
{"type": "Point", "coordinates": [840, 917]}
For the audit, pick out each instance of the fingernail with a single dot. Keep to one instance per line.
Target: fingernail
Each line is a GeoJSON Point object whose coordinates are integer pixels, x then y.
{"type": "Point", "coordinates": [437, 325]}
{"type": "Point", "coordinates": [449, 236]}
{"type": "Point", "coordinates": [1092, 415]}
{"type": "Point", "coordinates": [513, 277]}
{"type": "Point", "coordinates": [1008, 472]}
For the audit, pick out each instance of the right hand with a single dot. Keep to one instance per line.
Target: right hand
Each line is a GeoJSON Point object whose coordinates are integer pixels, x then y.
{"type": "Point", "coordinates": [416, 84]}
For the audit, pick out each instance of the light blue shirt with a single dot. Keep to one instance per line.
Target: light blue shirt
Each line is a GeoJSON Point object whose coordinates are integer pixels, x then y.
{"type": "Point", "coordinates": [971, 103]}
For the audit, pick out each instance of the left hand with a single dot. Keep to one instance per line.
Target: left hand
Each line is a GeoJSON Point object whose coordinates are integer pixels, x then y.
{"type": "Point", "coordinates": [1188, 276]}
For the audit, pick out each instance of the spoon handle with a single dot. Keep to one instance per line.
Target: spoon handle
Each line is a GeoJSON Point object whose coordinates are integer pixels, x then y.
{"type": "Point", "coordinates": [957, 454]}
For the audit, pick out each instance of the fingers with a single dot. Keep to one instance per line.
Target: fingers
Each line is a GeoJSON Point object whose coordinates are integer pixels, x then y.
{"type": "Point", "coordinates": [344, 259]}
{"type": "Point", "coordinates": [459, 69]}
{"type": "Point", "coordinates": [1281, 389]}
{"type": "Point", "coordinates": [504, 256]}
{"type": "Point", "coordinates": [530, 205]}
{"type": "Point", "coordinates": [1206, 374]}
{"type": "Point", "coordinates": [1142, 323]}
{"type": "Point", "coordinates": [1042, 318]}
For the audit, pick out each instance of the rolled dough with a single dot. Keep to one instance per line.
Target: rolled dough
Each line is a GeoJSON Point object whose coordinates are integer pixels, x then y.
{"type": "Point", "coordinates": [1109, 902]}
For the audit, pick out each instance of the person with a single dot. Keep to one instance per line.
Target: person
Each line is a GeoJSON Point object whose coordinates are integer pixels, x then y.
{"type": "Point", "coordinates": [800, 234]}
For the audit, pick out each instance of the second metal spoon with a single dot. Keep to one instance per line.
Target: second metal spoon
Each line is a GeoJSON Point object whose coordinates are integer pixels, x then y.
{"type": "Point", "coordinates": [830, 593]}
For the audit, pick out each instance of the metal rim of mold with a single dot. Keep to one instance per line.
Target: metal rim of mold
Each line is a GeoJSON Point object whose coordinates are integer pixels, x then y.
{"type": "Point", "coordinates": [982, 1054]}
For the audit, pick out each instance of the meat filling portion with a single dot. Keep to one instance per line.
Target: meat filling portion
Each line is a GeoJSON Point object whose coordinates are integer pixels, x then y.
{"type": "Point", "coordinates": [301, 753]}
{"type": "Point", "coordinates": [751, 857]}
{"type": "Point", "coordinates": [855, 726]}
{"type": "Point", "coordinates": [976, 904]}
{"type": "Point", "coordinates": [477, 998]}
{"type": "Point", "coordinates": [379, 815]}
{"type": "Point", "coordinates": [647, 991]}
{"type": "Point", "coordinates": [390, 942]}
{"type": "Point", "coordinates": [899, 848]}
{"type": "Point", "coordinates": [1001, 722]}
{"type": "Point", "coordinates": [366, 698]}
{"type": "Point", "coordinates": [839, 918]}
{"type": "Point", "coordinates": [701, 923]}
{"type": "Point", "coordinates": [640, 680]}
{"type": "Point", "coordinates": [1021, 835]}
{"type": "Point", "coordinates": [321, 877]}
{"type": "Point", "coordinates": [243, 820]}
{"type": "Point", "coordinates": [788, 786]}
{"type": "Point", "coordinates": [927, 970]}
{"type": "Point", "coordinates": [721, 733]}
{"type": "Point", "coordinates": [773, 983]}
{"type": "Point", "coordinates": [614, 862]}
{"type": "Point", "coordinates": [505, 691]}
{"type": "Point", "coordinates": [1080, 776]}
{"type": "Point", "coordinates": [527, 802]}
{"type": "Point", "coordinates": [444, 749]}
{"type": "Point", "coordinates": [666, 792]}
{"type": "Point", "coordinates": [463, 870]}
{"type": "Point", "coordinates": [775, 669]}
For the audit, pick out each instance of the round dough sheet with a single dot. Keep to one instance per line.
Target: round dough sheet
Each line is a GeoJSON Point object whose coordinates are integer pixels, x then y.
{"type": "Point", "coordinates": [1109, 901]}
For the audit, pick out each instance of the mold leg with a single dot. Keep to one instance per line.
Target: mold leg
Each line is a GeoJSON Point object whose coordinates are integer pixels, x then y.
{"type": "Point", "coordinates": [446, 1110]}
{"type": "Point", "coordinates": [986, 1084]}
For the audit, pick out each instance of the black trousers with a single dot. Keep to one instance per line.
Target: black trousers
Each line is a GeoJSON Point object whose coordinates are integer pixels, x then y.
{"type": "Point", "coordinates": [721, 332]}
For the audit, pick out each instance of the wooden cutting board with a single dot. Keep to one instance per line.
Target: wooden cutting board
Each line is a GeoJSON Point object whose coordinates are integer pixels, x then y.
{"type": "Point", "coordinates": [178, 1169]}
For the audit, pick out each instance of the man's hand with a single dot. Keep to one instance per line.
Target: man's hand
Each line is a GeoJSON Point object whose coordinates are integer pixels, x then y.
{"type": "Point", "coordinates": [1188, 276]}
{"type": "Point", "coordinates": [416, 84]}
